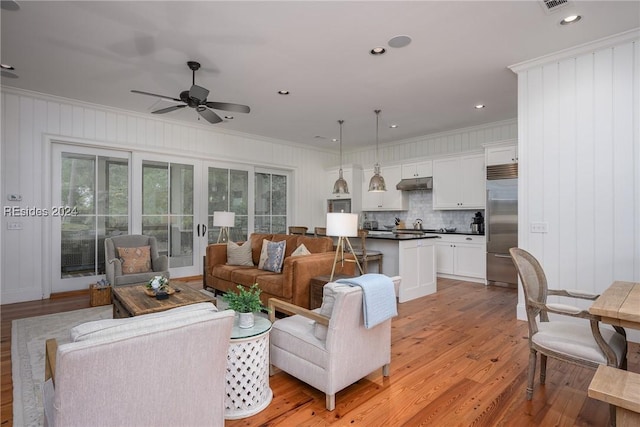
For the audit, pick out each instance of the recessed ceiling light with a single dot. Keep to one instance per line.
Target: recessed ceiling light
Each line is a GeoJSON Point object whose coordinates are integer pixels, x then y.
{"type": "Point", "coordinates": [480, 106]}
{"type": "Point", "coordinates": [570, 19]}
{"type": "Point", "coordinates": [283, 92]}
{"type": "Point", "coordinates": [6, 67]}
{"type": "Point", "coordinates": [393, 126]}
{"type": "Point", "coordinates": [399, 41]}
{"type": "Point", "coordinates": [334, 139]}
{"type": "Point", "coordinates": [228, 117]}
{"type": "Point", "coordinates": [377, 50]}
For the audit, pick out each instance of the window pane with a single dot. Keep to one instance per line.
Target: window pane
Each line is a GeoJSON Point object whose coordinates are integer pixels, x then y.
{"type": "Point", "coordinates": [157, 225]}
{"type": "Point", "coordinates": [218, 190]}
{"type": "Point", "coordinates": [279, 195]}
{"type": "Point", "coordinates": [181, 189]}
{"type": "Point", "coordinates": [155, 188]}
{"type": "Point", "coordinates": [239, 194]}
{"type": "Point", "coordinates": [78, 182]}
{"type": "Point", "coordinates": [263, 194]}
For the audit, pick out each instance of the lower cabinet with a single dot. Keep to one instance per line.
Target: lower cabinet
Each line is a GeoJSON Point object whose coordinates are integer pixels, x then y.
{"type": "Point", "coordinates": [417, 268]}
{"type": "Point", "coordinates": [462, 256]}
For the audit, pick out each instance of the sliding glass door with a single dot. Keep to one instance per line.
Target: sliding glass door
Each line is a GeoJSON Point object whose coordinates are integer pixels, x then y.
{"type": "Point", "coordinates": [90, 201]}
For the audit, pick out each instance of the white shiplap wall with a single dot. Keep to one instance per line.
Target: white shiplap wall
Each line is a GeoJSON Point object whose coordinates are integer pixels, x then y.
{"type": "Point", "coordinates": [30, 120]}
{"type": "Point", "coordinates": [579, 152]}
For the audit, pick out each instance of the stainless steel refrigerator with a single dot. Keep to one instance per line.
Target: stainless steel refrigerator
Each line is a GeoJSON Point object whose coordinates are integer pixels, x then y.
{"type": "Point", "coordinates": [501, 226]}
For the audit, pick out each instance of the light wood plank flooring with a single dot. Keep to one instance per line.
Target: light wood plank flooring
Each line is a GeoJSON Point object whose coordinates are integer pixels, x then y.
{"type": "Point", "coordinates": [459, 357]}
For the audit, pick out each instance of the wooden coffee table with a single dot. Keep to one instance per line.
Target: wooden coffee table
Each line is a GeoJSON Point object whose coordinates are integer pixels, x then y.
{"type": "Point", "coordinates": [131, 300]}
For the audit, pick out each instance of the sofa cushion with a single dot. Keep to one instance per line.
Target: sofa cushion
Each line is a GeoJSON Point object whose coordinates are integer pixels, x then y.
{"type": "Point", "coordinates": [256, 245]}
{"type": "Point", "coordinates": [239, 254]}
{"type": "Point", "coordinates": [224, 271]}
{"type": "Point", "coordinates": [275, 256]}
{"type": "Point", "coordinates": [135, 260]}
{"type": "Point", "coordinates": [248, 276]}
{"type": "Point", "coordinates": [109, 327]}
{"type": "Point", "coordinates": [316, 244]}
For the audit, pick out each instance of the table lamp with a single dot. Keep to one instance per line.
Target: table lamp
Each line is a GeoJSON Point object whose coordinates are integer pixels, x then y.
{"type": "Point", "coordinates": [343, 226]}
{"type": "Point", "coordinates": [224, 220]}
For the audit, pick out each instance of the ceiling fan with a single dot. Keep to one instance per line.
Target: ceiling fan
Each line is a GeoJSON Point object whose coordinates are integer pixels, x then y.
{"type": "Point", "coordinates": [196, 97]}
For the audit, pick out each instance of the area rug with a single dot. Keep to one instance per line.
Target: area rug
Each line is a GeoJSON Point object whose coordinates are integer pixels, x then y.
{"type": "Point", "coordinates": [28, 338]}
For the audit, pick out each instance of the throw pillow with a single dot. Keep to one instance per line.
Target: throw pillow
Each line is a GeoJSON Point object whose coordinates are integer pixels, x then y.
{"type": "Point", "coordinates": [263, 254]}
{"type": "Point", "coordinates": [275, 256]}
{"type": "Point", "coordinates": [135, 260]}
{"type": "Point", "coordinates": [301, 250]}
{"type": "Point", "coordinates": [239, 254]}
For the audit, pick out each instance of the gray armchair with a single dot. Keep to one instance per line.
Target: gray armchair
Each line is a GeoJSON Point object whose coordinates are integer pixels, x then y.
{"type": "Point", "coordinates": [113, 263]}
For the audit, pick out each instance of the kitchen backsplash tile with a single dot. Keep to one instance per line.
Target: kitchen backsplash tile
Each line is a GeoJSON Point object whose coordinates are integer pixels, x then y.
{"type": "Point", "coordinates": [421, 206]}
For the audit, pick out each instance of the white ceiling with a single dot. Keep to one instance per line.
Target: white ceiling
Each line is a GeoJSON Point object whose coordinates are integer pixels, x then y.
{"type": "Point", "coordinates": [98, 51]}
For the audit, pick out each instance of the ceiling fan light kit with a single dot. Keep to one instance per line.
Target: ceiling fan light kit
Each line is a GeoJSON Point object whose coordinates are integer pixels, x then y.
{"type": "Point", "coordinates": [340, 186]}
{"type": "Point", "coordinates": [377, 184]}
{"type": "Point", "coordinates": [196, 98]}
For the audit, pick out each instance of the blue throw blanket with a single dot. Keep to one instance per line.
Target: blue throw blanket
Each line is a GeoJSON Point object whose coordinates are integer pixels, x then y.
{"type": "Point", "coordinates": [378, 297]}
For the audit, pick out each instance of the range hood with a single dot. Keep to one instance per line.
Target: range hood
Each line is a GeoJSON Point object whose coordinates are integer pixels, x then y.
{"type": "Point", "coordinates": [415, 184]}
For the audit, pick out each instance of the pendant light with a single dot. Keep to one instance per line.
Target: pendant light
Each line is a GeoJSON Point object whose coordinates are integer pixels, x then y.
{"type": "Point", "coordinates": [340, 187]}
{"type": "Point", "coordinates": [377, 185]}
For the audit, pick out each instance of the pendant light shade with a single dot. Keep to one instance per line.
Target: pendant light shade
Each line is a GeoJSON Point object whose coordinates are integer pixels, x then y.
{"type": "Point", "coordinates": [340, 187]}
{"type": "Point", "coordinates": [377, 184]}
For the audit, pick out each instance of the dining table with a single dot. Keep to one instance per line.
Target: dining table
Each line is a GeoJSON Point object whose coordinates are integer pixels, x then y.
{"type": "Point", "coordinates": [619, 305]}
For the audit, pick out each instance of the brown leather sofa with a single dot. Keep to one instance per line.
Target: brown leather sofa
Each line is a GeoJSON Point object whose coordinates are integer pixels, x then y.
{"type": "Point", "coordinates": [292, 284]}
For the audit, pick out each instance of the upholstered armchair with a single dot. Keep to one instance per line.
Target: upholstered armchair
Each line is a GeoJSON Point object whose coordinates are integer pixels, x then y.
{"type": "Point", "coordinates": [329, 352]}
{"type": "Point", "coordinates": [139, 265]}
{"type": "Point", "coordinates": [160, 369]}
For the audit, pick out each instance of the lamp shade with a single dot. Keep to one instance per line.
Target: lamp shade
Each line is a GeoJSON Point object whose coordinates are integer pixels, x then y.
{"type": "Point", "coordinates": [342, 224]}
{"type": "Point", "coordinates": [224, 219]}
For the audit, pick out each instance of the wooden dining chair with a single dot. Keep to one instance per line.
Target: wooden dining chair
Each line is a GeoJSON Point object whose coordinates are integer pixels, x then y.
{"type": "Point", "coordinates": [320, 231]}
{"type": "Point", "coordinates": [297, 229]}
{"type": "Point", "coordinates": [583, 343]}
{"type": "Point", "coordinates": [364, 255]}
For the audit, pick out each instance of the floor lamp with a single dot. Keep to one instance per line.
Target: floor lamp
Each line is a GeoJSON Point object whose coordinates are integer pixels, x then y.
{"type": "Point", "coordinates": [224, 220]}
{"type": "Point", "coordinates": [343, 226]}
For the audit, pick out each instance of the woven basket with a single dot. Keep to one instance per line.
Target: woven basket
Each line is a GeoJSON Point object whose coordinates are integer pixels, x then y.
{"type": "Point", "coordinates": [99, 295]}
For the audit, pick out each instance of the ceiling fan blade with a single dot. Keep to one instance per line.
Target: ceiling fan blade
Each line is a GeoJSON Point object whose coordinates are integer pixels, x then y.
{"type": "Point", "coordinates": [168, 109]}
{"type": "Point", "coordinates": [198, 93]}
{"type": "Point", "coordinates": [227, 106]}
{"type": "Point", "coordinates": [209, 115]}
{"type": "Point", "coordinates": [156, 95]}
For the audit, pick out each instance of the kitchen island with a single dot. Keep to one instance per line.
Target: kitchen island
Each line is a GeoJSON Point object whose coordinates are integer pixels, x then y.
{"type": "Point", "coordinates": [410, 256]}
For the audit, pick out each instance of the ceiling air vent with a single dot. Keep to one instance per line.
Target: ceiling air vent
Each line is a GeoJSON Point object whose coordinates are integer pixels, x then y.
{"type": "Point", "coordinates": [552, 6]}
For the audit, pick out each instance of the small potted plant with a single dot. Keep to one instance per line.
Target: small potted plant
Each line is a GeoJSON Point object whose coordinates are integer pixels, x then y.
{"type": "Point", "coordinates": [159, 285]}
{"type": "Point", "coordinates": [245, 302]}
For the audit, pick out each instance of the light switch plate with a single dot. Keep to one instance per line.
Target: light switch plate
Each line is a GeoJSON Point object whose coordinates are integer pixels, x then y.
{"type": "Point", "coordinates": [14, 226]}
{"type": "Point", "coordinates": [539, 227]}
{"type": "Point", "coordinates": [14, 197]}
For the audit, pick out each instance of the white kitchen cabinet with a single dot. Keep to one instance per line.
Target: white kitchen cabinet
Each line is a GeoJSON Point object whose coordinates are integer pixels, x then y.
{"type": "Point", "coordinates": [390, 200]}
{"type": "Point", "coordinates": [459, 182]}
{"type": "Point", "coordinates": [417, 268]}
{"type": "Point", "coordinates": [461, 256]}
{"type": "Point", "coordinates": [502, 155]}
{"type": "Point", "coordinates": [417, 170]}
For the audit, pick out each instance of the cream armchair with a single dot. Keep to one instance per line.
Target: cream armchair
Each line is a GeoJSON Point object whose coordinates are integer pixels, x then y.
{"type": "Point", "coordinates": [113, 263]}
{"type": "Point", "coordinates": [161, 369]}
{"type": "Point", "coordinates": [582, 341]}
{"type": "Point", "coordinates": [329, 352]}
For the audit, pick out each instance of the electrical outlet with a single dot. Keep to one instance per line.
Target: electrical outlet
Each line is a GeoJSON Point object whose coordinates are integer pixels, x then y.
{"type": "Point", "coordinates": [14, 226]}
{"type": "Point", "coordinates": [539, 227]}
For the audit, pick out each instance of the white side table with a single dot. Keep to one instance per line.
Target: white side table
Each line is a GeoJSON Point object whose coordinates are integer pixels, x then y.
{"type": "Point", "coordinates": [247, 377]}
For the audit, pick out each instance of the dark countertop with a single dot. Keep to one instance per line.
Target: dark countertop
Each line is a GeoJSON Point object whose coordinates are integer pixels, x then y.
{"type": "Point", "coordinates": [416, 235]}
{"type": "Point", "coordinates": [402, 236]}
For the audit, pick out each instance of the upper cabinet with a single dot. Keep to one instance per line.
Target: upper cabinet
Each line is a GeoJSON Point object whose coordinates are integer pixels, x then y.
{"type": "Point", "coordinates": [417, 170]}
{"type": "Point", "coordinates": [459, 182]}
{"type": "Point", "coordinates": [502, 155]}
{"type": "Point", "coordinates": [390, 200]}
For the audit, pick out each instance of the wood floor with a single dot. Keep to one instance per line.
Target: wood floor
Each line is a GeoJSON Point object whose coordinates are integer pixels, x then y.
{"type": "Point", "coordinates": [459, 358]}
